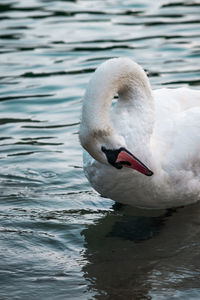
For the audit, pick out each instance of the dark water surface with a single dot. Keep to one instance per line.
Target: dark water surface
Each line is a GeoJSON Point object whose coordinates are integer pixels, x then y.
{"type": "Point", "coordinates": [58, 238]}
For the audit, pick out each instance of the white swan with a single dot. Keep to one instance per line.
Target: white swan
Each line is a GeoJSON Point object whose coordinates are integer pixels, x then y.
{"type": "Point", "coordinates": [146, 133]}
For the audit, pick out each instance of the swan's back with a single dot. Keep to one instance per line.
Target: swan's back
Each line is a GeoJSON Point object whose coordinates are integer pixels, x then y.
{"type": "Point", "coordinates": [176, 100]}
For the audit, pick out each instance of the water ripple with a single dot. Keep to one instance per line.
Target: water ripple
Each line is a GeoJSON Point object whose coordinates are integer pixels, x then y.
{"type": "Point", "coordinates": [58, 237]}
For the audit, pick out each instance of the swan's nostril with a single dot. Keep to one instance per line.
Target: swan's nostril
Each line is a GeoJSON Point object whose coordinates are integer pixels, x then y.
{"type": "Point", "coordinates": [125, 163]}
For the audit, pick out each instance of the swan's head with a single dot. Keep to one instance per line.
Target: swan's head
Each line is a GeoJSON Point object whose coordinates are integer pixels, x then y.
{"type": "Point", "coordinates": [116, 76]}
{"type": "Point", "coordinates": [107, 147]}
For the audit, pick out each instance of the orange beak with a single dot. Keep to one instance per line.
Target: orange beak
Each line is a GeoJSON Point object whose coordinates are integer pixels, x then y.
{"type": "Point", "coordinates": [128, 160]}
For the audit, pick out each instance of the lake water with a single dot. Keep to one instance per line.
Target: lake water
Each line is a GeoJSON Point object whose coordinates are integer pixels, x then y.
{"type": "Point", "coordinates": [58, 238]}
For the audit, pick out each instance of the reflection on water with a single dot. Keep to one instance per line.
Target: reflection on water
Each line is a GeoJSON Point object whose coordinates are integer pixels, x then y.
{"type": "Point", "coordinates": [159, 262]}
{"type": "Point", "coordinates": [58, 238]}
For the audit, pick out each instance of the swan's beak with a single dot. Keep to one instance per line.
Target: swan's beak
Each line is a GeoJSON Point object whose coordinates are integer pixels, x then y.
{"type": "Point", "coordinates": [127, 159]}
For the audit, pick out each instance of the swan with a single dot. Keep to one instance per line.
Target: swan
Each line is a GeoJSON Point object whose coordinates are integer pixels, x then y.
{"type": "Point", "coordinates": [144, 149]}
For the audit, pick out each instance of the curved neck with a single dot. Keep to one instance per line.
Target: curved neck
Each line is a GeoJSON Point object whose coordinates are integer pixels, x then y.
{"type": "Point", "coordinates": [121, 76]}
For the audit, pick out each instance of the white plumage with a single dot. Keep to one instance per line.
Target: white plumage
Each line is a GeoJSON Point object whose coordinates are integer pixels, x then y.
{"type": "Point", "coordinates": [161, 128]}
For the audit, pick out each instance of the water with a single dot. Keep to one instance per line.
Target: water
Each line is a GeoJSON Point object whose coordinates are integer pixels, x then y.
{"type": "Point", "coordinates": [60, 239]}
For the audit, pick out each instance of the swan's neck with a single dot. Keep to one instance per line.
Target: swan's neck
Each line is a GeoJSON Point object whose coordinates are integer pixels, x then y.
{"type": "Point", "coordinates": [127, 79]}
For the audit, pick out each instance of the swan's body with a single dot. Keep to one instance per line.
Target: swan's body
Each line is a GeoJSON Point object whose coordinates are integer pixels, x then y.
{"type": "Point", "coordinates": [160, 128]}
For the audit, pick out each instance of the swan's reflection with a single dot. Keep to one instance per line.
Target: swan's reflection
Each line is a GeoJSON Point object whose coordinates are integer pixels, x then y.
{"type": "Point", "coordinates": [134, 254]}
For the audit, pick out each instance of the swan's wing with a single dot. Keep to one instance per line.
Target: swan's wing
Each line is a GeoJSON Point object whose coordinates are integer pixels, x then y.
{"type": "Point", "coordinates": [184, 152]}
{"type": "Point", "coordinates": [177, 129]}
